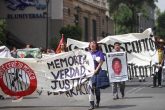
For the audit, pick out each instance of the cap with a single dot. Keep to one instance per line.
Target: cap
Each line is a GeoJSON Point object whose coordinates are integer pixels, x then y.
{"type": "Point", "coordinates": [161, 41]}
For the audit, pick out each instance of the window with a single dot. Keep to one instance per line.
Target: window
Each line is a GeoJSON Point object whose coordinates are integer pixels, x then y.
{"type": "Point", "coordinates": [94, 30]}
{"type": "Point", "coordinates": [85, 28]}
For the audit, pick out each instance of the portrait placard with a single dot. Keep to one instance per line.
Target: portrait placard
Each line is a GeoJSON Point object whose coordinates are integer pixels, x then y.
{"type": "Point", "coordinates": [117, 66]}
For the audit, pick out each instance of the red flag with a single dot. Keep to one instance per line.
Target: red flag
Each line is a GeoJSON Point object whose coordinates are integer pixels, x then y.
{"type": "Point", "coordinates": [58, 50]}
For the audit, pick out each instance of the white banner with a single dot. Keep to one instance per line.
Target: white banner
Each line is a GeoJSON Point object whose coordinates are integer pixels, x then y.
{"type": "Point", "coordinates": [117, 66]}
{"type": "Point", "coordinates": [139, 46]}
{"type": "Point", "coordinates": [61, 72]}
{"type": "Point", "coordinates": [4, 52]}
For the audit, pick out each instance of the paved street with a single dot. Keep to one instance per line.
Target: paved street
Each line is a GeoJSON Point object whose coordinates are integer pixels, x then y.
{"type": "Point", "coordinates": [139, 96]}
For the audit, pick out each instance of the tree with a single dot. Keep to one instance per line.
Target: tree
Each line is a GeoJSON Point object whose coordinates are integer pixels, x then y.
{"type": "Point", "coordinates": [2, 32]}
{"type": "Point", "coordinates": [74, 32]}
{"type": "Point", "coordinates": [161, 25]}
{"type": "Point", "coordinates": [117, 7]}
{"type": "Point", "coordinates": [123, 19]}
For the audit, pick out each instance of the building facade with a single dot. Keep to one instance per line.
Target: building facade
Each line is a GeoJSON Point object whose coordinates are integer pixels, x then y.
{"type": "Point", "coordinates": [91, 15]}
{"type": "Point", "coordinates": [38, 22]}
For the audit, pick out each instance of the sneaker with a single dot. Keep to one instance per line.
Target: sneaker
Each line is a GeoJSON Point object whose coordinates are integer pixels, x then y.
{"type": "Point", "coordinates": [91, 108]}
{"type": "Point", "coordinates": [92, 104]}
{"type": "Point", "coordinates": [153, 86]}
{"type": "Point", "coordinates": [115, 97]}
{"type": "Point", "coordinates": [97, 105]}
{"type": "Point", "coordinates": [160, 86]}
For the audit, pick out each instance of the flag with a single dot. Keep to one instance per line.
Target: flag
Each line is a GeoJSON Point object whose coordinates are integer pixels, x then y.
{"type": "Point", "coordinates": [58, 50]}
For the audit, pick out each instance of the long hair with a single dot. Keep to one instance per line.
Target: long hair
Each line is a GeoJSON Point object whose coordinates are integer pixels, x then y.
{"type": "Point", "coordinates": [97, 46]}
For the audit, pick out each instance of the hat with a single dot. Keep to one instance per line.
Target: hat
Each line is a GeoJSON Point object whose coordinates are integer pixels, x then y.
{"type": "Point", "coordinates": [161, 41]}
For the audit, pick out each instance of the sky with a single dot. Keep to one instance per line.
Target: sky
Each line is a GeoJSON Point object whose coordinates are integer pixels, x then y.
{"type": "Point", "coordinates": [161, 5]}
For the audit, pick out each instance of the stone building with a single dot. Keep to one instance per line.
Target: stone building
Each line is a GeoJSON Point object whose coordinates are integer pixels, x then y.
{"type": "Point", "coordinates": [92, 16]}
{"type": "Point", "coordinates": [38, 22]}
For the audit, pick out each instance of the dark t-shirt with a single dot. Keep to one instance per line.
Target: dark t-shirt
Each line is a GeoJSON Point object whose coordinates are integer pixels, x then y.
{"type": "Point", "coordinates": [97, 56]}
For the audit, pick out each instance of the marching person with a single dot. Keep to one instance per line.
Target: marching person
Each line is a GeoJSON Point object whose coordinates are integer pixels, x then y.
{"type": "Point", "coordinates": [28, 46]}
{"type": "Point", "coordinates": [117, 66]}
{"type": "Point", "coordinates": [158, 74]}
{"type": "Point", "coordinates": [63, 48]}
{"type": "Point", "coordinates": [98, 58]}
{"type": "Point", "coordinates": [14, 52]}
{"type": "Point", "coordinates": [50, 51]}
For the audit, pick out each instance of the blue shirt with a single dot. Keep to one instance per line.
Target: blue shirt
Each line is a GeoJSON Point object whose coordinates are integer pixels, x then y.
{"type": "Point", "coordinates": [97, 56]}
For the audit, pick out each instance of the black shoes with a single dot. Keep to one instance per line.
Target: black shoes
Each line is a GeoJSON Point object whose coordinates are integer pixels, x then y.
{"type": "Point", "coordinates": [1, 97]}
{"type": "Point", "coordinates": [117, 97]}
{"type": "Point", "coordinates": [153, 86]}
{"type": "Point", "coordinates": [142, 80]}
{"type": "Point", "coordinates": [92, 105]}
{"type": "Point", "coordinates": [97, 105]}
{"type": "Point", "coordinates": [156, 86]}
{"type": "Point", "coordinates": [122, 96]}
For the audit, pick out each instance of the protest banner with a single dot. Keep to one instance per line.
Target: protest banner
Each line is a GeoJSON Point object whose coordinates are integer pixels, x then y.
{"type": "Point", "coordinates": [4, 52]}
{"type": "Point", "coordinates": [67, 72]}
{"type": "Point", "coordinates": [117, 66]}
{"type": "Point", "coordinates": [29, 53]}
{"type": "Point", "coordinates": [140, 47]}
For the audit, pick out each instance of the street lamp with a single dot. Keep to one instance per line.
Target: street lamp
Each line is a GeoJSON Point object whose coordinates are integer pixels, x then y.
{"type": "Point", "coordinates": [47, 21]}
{"type": "Point", "coordinates": [139, 26]}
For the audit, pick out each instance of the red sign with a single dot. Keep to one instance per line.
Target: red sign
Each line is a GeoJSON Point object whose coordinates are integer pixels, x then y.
{"type": "Point", "coordinates": [17, 79]}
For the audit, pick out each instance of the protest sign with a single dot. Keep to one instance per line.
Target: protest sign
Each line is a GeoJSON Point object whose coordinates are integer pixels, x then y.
{"type": "Point", "coordinates": [4, 52]}
{"type": "Point", "coordinates": [140, 47]}
{"type": "Point", "coordinates": [117, 66]}
{"type": "Point", "coordinates": [29, 53]}
{"type": "Point", "coordinates": [67, 72]}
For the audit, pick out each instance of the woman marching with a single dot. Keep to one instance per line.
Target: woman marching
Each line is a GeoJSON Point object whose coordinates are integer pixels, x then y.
{"type": "Point", "coordinates": [98, 58]}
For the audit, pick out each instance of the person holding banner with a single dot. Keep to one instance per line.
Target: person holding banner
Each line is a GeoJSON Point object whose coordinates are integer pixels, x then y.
{"type": "Point", "coordinates": [14, 52]}
{"type": "Point", "coordinates": [158, 73]}
{"type": "Point", "coordinates": [50, 51]}
{"type": "Point", "coordinates": [62, 48]}
{"type": "Point", "coordinates": [98, 58]}
{"type": "Point", "coordinates": [117, 67]}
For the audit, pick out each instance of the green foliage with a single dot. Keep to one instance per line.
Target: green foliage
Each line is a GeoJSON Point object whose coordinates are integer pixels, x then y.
{"type": "Point", "coordinates": [160, 29]}
{"type": "Point", "coordinates": [2, 31]}
{"type": "Point", "coordinates": [55, 41]}
{"type": "Point", "coordinates": [74, 32]}
{"type": "Point", "coordinates": [123, 19]}
{"type": "Point", "coordinates": [161, 20]}
{"type": "Point", "coordinates": [124, 13]}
